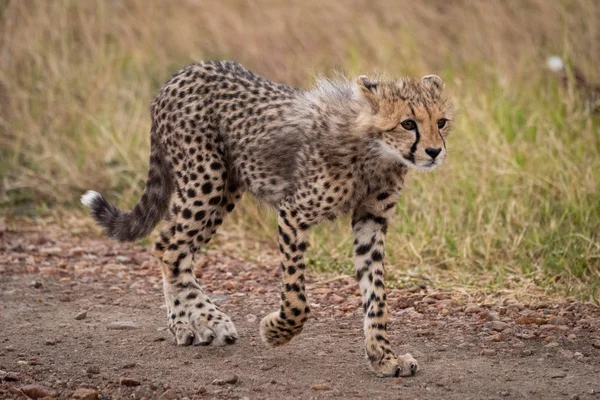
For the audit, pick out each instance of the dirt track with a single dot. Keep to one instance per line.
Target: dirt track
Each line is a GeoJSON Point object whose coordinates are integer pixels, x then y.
{"type": "Point", "coordinates": [466, 351]}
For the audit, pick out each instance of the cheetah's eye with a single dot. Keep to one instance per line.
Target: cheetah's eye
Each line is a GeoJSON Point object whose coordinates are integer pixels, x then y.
{"type": "Point", "coordinates": [442, 123]}
{"type": "Point", "coordinates": [409, 125]}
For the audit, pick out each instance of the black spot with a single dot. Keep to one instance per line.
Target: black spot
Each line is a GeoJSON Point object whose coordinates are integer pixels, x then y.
{"type": "Point", "coordinates": [383, 196]}
{"type": "Point", "coordinates": [199, 215]}
{"type": "Point", "coordinates": [207, 188]}
{"type": "Point", "coordinates": [363, 249]}
{"type": "Point", "coordinates": [291, 270]}
{"type": "Point", "coordinates": [187, 213]}
{"type": "Point", "coordinates": [191, 295]}
{"type": "Point", "coordinates": [376, 255]}
{"type": "Point", "coordinates": [177, 302]}
{"type": "Point", "coordinates": [214, 200]}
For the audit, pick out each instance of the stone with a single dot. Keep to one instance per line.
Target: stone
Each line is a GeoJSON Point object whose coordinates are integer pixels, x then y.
{"type": "Point", "coordinates": [557, 374]}
{"type": "Point", "coordinates": [472, 309]}
{"type": "Point", "coordinates": [531, 321]}
{"type": "Point", "coordinates": [11, 377]}
{"type": "Point", "coordinates": [36, 284]}
{"type": "Point", "coordinates": [51, 250]}
{"type": "Point", "coordinates": [497, 326]}
{"type": "Point", "coordinates": [85, 394]}
{"type": "Point", "coordinates": [596, 344]}
{"type": "Point", "coordinates": [527, 352]}
{"type": "Point", "coordinates": [122, 325]}
{"type": "Point", "coordinates": [495, 338]}
{"type": "Point", "coordinates": [227, 379]}
{"type": "Point", "coordinates": [129, 382]}
{"type": "Point", "coordinates": [76, 251]}
{"type": "Point", "coordinates": [94, 370]}
{"type": "Point", "coordinates": [557, 321]}
{"type": "Point", "coordinates": [320, 387]}
{"type": "Point", "coordinates": [488, 352]}
{"type": "Point", "coordinates": [568, 354]}
{"type": "Point", "coordinates": [36, 391]}
{"type": "Point", "coordinates": [168, 394]}
{"type": "Point", "coordinates": [81, 315]}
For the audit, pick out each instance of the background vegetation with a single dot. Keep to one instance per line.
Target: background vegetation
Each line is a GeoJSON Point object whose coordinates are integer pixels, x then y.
{"type": "Point", "coordinates": [516, 207]}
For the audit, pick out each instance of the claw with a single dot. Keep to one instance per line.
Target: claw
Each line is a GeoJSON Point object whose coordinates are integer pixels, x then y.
{"type": "Point", "coordinates": [207, 340]}
{"type": "Point", "coordinates": [413, 368]}
{"type": "Point", "coordinates": [230, 339]}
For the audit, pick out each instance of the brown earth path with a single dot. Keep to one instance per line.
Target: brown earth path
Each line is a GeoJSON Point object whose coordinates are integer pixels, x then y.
{"type": "Point", "coordinates": [60, 293]}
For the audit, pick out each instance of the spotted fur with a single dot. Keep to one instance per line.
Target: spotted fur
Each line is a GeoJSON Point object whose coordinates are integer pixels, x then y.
{"type": "Point", "coordinates": [219, 130]}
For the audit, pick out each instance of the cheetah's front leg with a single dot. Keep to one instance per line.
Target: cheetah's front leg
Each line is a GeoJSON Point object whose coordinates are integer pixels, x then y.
{"type": "Point", "coordinates": [369, 232]}
{"type": "Point", "coordinates": [281, 326]}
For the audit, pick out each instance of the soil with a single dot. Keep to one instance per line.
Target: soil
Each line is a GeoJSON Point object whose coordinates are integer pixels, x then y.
{"type": "Point", "coordinates": [62, 295]}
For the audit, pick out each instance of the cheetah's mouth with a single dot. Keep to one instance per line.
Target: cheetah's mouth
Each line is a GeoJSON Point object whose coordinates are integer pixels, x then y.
{"type": "Point", "coordinates": [425, 166]}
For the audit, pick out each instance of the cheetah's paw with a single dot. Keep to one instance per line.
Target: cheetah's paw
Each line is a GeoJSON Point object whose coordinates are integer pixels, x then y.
{"type": "Point", "coordinates": [276, 331]}
{"type": "Point", "coordinates": [391, 365]}
{"type": "Point", "coordinates": [199, 322]}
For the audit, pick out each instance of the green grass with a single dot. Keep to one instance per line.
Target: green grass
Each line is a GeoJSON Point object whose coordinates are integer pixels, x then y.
{"type": "Point", "coordinates": [516, 206]}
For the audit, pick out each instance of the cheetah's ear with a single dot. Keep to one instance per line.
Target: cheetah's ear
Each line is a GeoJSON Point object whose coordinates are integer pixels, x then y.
{"type": "Point", "coordinates": [370, 89]}
{"type": "Point", "coordinates": [367, 84]}
{"type": "Point", "coordinates": [433, 82]}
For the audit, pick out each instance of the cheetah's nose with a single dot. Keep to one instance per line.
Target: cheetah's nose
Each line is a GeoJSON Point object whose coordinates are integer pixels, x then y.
{"type": "Point", "coordinates": [433, 152]}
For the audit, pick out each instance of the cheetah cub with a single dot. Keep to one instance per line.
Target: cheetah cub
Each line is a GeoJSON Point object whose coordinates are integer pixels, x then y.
{"type": "Point", "coordinates": [219, 130]}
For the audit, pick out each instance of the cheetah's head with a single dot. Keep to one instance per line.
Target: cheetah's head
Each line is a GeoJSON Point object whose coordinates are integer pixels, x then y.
{"type": "Point", "coordinates": [408, 119]}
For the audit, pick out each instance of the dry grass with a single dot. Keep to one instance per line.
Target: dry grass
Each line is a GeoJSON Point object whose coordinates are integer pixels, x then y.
{"type": "Point", "coordinates": [517, 206]}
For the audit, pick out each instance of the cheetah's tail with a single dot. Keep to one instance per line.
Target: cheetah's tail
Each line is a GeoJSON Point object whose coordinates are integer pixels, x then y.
{"type": "Point", "coordinates": [153, 205]}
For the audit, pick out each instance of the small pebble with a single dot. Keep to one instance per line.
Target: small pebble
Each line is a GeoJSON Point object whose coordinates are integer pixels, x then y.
{"type": "Point", "coordinates": [93, 370]}
{"type": "Point", "coordinates": [11, 377]}
{"type": "Point", "coordinates": [36, 284]}
{"type": "Point", "coordinates": [129, 382]}
{"type": "Point", "coordinates": [320, 387]}
{"type": "Point", "coordinates": [488, 352]}
{"type": "Point", "coordinates": [85, 394]}
{"type": "Point", "coordinates": [81, 315]}
{"type": "Point", "coordinates": [497, 326]}
{"type": "Point", "coordinates": [228, 379]}
{"type": "Point", "coordinates": [558, 374]}
{"type": "Point", "coordinates": [36, 391]}
{"type": "Point", "coordinates": [168, 394]}
{"type": "Point", "coordinates": [122, 325]}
